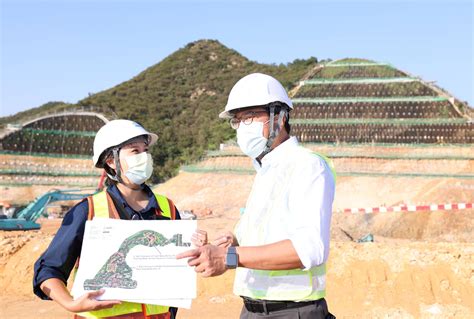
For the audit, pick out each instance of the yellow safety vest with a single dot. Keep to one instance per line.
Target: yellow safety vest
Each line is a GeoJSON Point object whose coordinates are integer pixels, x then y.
{"type": "Point", "coordinates": [293, 284]}
{"type": "Point", "coordinates": [329, 162]}
{"type": "Point", "coordinates": [99, 208]}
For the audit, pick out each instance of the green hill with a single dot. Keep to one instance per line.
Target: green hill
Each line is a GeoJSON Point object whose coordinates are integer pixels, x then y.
{"type": "Point", "coordinates": [180, 99]}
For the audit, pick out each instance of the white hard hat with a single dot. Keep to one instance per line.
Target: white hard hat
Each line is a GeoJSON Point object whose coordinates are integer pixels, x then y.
{"type": "Point", "coordinates": [254, 90]}
{"type": "Point", "coordinates": [115, 133]}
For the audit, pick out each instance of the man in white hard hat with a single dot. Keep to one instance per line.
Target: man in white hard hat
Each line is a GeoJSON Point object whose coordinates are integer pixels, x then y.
{"type": "Point", "coordinates": [121, 148]}
{"type": "Point", "coordinates": [281, 243]}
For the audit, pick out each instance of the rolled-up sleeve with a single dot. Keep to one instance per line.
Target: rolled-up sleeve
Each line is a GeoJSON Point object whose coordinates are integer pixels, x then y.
{"type": "Point", "coordinates": [59, 259]}
{"type": "Point", "coordinates": [311, 194]}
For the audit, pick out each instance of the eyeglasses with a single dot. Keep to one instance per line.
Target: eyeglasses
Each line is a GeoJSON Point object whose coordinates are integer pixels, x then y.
{"type": "Point", "coordinates": [247, 119]}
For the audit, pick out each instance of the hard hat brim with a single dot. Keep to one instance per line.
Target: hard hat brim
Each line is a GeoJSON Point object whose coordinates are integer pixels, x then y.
{"type": "Point", "coordinates": [225, 115]}
{"type": "Point", "coordinates": [153, 138]}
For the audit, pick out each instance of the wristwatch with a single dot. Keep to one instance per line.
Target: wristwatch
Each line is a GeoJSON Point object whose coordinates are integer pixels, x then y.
{"type": "Point", "coordinates": [231, 258]}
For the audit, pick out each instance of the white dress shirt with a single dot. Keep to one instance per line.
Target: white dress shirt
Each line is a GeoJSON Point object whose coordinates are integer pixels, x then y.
{"type": "Point", "coordinates": [291, 198]}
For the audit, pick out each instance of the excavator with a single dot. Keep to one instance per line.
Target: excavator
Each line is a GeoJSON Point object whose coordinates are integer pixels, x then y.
{"type": "Point", "coordinates": [25, 219]}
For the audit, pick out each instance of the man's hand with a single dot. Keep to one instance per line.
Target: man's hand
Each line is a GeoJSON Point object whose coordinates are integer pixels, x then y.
{"type": "Point", "coordinates": [87, 302]}
{"type": "Point", "coordinates": [225, 240]}
{"type": "Point", "coordinates": [208, 260]}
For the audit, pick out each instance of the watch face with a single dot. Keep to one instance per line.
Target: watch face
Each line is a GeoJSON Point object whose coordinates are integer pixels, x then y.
{"type": "Point", "coordinates": [231, 261]}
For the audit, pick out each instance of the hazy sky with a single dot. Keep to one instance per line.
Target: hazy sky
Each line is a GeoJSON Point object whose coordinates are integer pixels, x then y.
{"type": "Point", "coordinates": [62, 50]}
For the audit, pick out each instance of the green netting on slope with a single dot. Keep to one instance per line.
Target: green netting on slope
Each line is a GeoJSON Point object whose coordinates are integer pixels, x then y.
{"type": "Point", "coordinates": [366, 90]}
{"type": "Point", "coordinates": [439, 133]}
{"type": "Point", "coordinates": [46, 173]}
{"type": "Point", "coordinates": [345, 64]}
{"type": "Point", "coordinates": [196, 169]}
{"type": "Point", "coordinates": [376, 110]}
{"type": "Point", "coordinates": [360, 80]}
{"type": "Point", "coordinates": [59, 132]}
{"type": "Point", "coordinates": [29, 141]}
{"type": "Point", "coordinates": [46, 183]}
{"type": "Point", "coordinates": [358, 71]}
{"type": "Point", "coordinates": [67, 122]}
{"type": "Point", "coordinates": [371, 156]}
{"type": "Point", "coordinates": [364, 145]}
{"type": "Point", "coordinates": [225, 154]}
{"type": "Point", "coordinates": [424, 175]}
{"type": "Point", "coordinates": [388, 145]}
{"type": "Point", "coordinates": [39, 154]}
{"type": "Point", "coordinates": [232, 170]}
{"type": "Point", "coordinates": [368, 100]}
{"type": "Point", "coordinates": [352, 121]}
{"type": "Point", "coordinates": [350, 60]}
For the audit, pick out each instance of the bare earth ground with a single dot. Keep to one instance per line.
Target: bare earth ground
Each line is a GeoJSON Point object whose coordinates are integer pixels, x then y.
{"type": "Point", "coordinates": [391, 279]}
{"type": "Point", "coordinates": [421, 265]}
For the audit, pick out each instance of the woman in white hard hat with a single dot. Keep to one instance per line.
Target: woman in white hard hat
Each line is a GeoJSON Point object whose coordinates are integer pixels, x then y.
{"type": "Point", "coordinates": [121, 149]}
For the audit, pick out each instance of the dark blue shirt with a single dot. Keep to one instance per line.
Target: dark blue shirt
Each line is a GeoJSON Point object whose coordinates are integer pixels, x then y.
{"type": "Point", "coordinates": [59, 259]}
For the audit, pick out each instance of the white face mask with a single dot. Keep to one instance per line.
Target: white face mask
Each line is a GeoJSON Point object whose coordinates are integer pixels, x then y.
{"type": "Point", "coordinates": [250, 138]}
{"type": "Point", "coordinates": [140, 167]}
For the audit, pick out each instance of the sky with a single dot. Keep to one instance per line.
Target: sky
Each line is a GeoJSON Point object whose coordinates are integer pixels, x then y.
{"type": "Point", "coordinates": [64, 50]}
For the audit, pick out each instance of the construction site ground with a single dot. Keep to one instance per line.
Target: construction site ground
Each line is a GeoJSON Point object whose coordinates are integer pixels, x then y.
{"type": "Point", "coordinates": [421, 264]}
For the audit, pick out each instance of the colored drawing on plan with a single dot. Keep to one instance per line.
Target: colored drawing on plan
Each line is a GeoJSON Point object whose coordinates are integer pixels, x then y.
{"type": "Point", "coordinates": [116, 273]}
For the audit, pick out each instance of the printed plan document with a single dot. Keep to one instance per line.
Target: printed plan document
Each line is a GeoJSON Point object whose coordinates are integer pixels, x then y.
{"type": "Point", "coordinates": [136, 261]}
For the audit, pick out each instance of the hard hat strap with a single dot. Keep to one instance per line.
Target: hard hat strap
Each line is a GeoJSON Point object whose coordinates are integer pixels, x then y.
{"type": "Point", "coordinates": [271, 136]}
{"type": "Point", "coordinates": [118, 169]}
{"type": "Point", "coordinates": [274, 131]}
{"type": "Point", "coordinates": [283, 113]}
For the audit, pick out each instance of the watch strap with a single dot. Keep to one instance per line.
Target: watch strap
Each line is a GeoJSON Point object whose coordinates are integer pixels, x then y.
{"type": "Point", "coordinates": [231, 259]}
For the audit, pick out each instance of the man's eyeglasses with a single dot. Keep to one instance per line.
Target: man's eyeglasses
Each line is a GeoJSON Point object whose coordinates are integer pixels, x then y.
{"type": "Point", "coordinates": [247, 119]}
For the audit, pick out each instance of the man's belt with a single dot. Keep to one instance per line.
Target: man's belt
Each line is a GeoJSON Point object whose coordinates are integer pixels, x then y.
{"type": "Point", "coordinates": [266, 306]}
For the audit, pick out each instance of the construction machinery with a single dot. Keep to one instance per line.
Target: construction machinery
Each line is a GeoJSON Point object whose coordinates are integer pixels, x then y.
{"type": "Point", "coordinates": [25, 219]}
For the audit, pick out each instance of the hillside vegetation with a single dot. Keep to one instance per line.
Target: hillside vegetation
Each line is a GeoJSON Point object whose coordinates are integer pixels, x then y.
{"type": "Point", "coordinates": [46, 108]}
{"type": "Point", "coordinates": [180, 99]}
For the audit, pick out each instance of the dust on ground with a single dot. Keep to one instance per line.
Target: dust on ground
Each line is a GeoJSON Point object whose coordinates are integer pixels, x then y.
{"type": "Point", "coordinates": [391, 279]}
{"type": "Point", "coordinates": [421, 264]}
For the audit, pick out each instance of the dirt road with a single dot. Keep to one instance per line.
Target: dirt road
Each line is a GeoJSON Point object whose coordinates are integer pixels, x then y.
{"type": "Point", "coordinates": [393, 278]}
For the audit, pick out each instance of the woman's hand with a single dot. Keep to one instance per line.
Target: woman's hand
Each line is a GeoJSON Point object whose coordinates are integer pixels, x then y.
{"type": "Point", "coordinates": [88, 302]}
{"type": "Point", "coordinates": [199, 238]}
{"type": "Point", "coordinates": [57, 290]}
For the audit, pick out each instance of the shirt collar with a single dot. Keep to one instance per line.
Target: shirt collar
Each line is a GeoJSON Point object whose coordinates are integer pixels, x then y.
{"type": "Point", "coordinates": [279, 152]}
{"type": "Point", "coordinates": [152, 203]}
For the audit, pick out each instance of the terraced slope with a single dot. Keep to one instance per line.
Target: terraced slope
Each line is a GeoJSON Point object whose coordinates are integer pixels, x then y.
{"type": "Point", "coordinates": [64, 134]}
{"type": "Point", "coordinates": [361, 101]}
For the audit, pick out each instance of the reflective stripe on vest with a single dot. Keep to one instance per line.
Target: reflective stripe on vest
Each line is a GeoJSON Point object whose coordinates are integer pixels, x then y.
{"type": "Point", "coordinates": [101, 210]}
{"type": "Point", "coordinates": [294, 284]}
